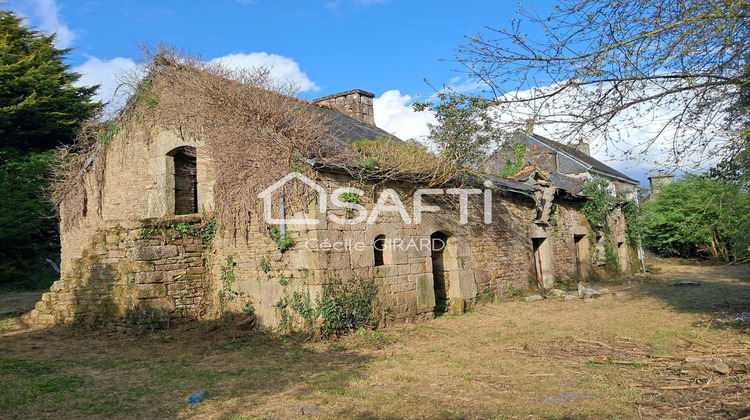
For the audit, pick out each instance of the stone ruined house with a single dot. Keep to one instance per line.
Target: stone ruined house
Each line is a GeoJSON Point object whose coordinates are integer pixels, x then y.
{"type": "Point", "coordinates": [537, 160]}
{"type": "Point", "coordinates": [139, 246]}
{"type": "Point", "coordinates": [572, 165]}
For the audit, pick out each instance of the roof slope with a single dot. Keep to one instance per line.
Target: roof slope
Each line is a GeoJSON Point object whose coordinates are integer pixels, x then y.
{"type": "Point", "coordinates": [345, 129]}
{"type": "Point", "coordinates": [581, 157]}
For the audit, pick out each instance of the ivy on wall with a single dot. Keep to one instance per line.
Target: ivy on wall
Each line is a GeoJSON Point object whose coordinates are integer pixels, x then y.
{"type": "Point", "coordinates": [599, 203]}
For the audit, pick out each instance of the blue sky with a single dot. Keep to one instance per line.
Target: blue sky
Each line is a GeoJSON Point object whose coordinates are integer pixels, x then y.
{"type": "Point", "coordinates": [383, 46]}
{"type": "Point", "coordinates": [376, 45]}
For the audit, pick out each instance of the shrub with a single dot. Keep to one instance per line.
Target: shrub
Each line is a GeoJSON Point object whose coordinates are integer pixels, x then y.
{"type": "Point", "coordinates": [346, 306]}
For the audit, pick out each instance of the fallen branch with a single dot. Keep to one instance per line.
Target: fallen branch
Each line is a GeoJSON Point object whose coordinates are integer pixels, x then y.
{"type": "Point", "coordinates": [625, 362]}
{"type": "Point", "coordinates": [511, 376]}
{"type": "Point", "coordinates": [652, 404]}
{"type": "Point", "coordinates": [698, 342]}
{"type": "Point", "coordinates": [684, 387]}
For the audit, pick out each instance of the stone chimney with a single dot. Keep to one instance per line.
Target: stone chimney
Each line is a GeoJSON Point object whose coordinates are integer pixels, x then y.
{"type": "Point", "coordinates": [656, 181]}
{"type": "Point", "coordinates": [530, 126]}
{"type": "Point", "coordinates": [583, 147]}
{"type": "Point", "coordinates": [354, 103]}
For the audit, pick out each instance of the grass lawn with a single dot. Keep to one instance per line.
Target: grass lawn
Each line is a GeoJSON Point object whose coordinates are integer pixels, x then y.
{"type": "Point", "coordinates": [626, 355]}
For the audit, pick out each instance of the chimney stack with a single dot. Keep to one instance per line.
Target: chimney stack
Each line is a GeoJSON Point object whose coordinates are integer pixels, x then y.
{"type": "Point", "coordinates": [656, 181]}
{"type": "Point", "coordinates": [583, 147]}
{"type": "Point", "coordinates": [530, 126]}
{"type": "Point", "coordinates": [355, 103]}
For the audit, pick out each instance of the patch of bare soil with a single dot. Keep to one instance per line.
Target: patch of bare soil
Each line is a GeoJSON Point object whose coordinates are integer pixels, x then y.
{"type": "Point", "coordinates": [17, 303]}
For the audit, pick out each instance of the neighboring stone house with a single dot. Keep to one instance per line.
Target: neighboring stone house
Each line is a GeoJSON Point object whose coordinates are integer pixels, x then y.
{"type": "Point", "coordinates": [140, 245]}
{"type": "Point", "coordinates": [567, 161]}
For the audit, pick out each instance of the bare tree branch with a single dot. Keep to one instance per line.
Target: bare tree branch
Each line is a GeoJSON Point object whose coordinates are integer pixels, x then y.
{"type": "Point", "coordinates": [598, 68]}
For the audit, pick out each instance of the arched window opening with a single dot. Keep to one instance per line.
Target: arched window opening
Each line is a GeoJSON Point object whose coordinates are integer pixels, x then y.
{"type": "Point", "coordinates": [185, 180]}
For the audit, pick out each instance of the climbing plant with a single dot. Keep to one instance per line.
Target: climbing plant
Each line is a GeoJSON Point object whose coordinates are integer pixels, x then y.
{"type": "Point", "coordinates": [599, 201]}
{"type": "Point", "coordinates": [346, 305]}
{"type": "Point", "coordinates": [282, 241]}
{"type": "Point", "coordinates": [514, 159]}
{"type": "Point", "coordinates": [595, 210]}
{"type": "Point", "coordinates": [205, 229]}
{"type": "Point", "coordinates": [341, 307]}
{"type": "Point", "coordinates": [353, 198]}
{"type": "Point", "coordinates": [227, 279]}
{"type": "Point", "coordinates": [632, 212]}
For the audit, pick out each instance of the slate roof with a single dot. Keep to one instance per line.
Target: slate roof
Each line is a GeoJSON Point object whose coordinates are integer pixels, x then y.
{"type": "Point", "coordinates": [568, 183]}
{"type": "Point", "coordinates": [510, 184]}
{"type": "Point", "coordinates": [345, 129]}
{"type": "Point", "coordinates": [589, 161]}
{"type": "Point", "coordinates": [571, 184]}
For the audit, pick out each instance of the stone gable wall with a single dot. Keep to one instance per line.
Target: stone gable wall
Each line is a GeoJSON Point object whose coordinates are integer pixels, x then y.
{"type": "Point", "coordinates": [129, 277]}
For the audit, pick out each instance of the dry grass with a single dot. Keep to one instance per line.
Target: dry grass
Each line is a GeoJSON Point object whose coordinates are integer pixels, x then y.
{"type": "Point", "coordinates": [545, 359]}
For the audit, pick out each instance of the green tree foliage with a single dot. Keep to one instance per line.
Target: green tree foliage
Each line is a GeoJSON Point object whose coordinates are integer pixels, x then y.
{"type": "Point", "coordinates": [464, 128]}
{"type": "Point", "coordinates": [40, 109]}
{"type": "Point", "coordinates": [699, 217]}
{"type": "Point", "coordinates": [28, 233]}
{"type": "Point", "coordinates": [39, 106]}
{"type": "Point", "coordinates": [592, 67]}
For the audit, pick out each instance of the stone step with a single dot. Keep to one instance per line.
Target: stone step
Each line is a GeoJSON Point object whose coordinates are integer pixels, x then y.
{"type": "Point", "coordinates": [38, 318]}
{"type": "Point", "coordinates": [42, 306]}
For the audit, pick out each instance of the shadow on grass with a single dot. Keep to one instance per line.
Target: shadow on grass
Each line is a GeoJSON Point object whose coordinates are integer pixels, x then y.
{"type": "Point", "coordinates": [15, 303]}
{"type": "Point", "coordinates": [60, 372]}
{"type": "Point", "coordinates": [722, 292]}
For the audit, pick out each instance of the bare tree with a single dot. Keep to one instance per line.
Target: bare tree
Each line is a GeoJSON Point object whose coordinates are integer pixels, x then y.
{"type": "Point", "coordinates": [610, 68]}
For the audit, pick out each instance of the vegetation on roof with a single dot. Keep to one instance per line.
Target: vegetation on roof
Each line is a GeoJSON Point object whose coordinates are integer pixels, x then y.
{"type": "Point", "coordinates": [250, 125]}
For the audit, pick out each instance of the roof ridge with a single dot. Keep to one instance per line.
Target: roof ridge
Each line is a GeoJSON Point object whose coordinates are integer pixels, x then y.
{"type": "Point", "coordinates": [588, 160]}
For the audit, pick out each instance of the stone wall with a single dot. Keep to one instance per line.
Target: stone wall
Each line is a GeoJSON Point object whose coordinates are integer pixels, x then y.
{"type": "Point", "coordinates": [113, 273]}
{"type": "Point", "coordinates": [265, 276]}
{"type": "Point", "coordinates": [569, 222]}
{"type": "Point", "coordinates": [128, 277]}
{"type": "Point", "coordinates": [138, 183]}
{"type": "Point", "coordinates": [502, 250]}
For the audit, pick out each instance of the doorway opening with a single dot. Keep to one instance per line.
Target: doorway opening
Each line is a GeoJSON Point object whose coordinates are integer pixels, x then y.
{"type": "Point", "coordinates": [438, 242]}
{"type": "Point", "coordinates": [543, 263]}
{"type": "Point", "coordinates": [581, 247]}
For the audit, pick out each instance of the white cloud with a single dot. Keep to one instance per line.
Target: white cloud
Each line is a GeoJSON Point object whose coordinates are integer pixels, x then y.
{"type": "Point", "coordinates": [282, 68]}
{"type": "Point", "coordinates": [106, 73]}
{"type": "Point", "coordinates": [458, 85]}
{"type": "Point", "coordinates": [45, 16]}
{"type": "Point", "coordinates": [638, 141]}
{"type": "Point", "coordinates": [393, 113]}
